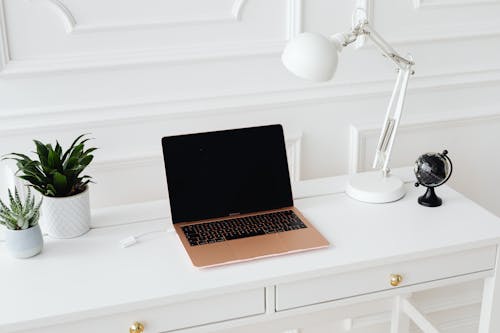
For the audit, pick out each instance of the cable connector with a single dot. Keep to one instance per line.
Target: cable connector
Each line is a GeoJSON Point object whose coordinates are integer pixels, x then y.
{"type": "Point", "coordinates": [129, 241]}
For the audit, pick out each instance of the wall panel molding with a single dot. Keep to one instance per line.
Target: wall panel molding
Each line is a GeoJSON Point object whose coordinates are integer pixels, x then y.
{"type": "Point", "coordinates": [360, 134]}
{"type": "Point", "coordinates": [425, 4]}
{"type": "Point", "coordinates": [295, 21]}
{"type": "Point", "coordinates": [4, 41]}
{"type": "Point", "coordinates": [28, 68]}
{"type": "Point", "coordinates": [72, 26]}
{"type": "Point", "coordinates": [10, 68]}
{"type": "Point", "coordinates": [66, 16]}
{"type": "Point", "coordinates": [54, 64]}
{"type": "Point", "coordinates": [53, 118]}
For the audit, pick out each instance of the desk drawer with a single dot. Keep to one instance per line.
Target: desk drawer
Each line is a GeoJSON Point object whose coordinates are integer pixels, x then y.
{"type": "Point", "coordinates": [334, 287]}
{"type": "Point", "coordinates": [172, 317]}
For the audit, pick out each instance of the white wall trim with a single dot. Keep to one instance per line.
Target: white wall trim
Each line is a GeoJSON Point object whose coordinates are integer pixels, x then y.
{"type": "Point", "coordinates": [425, 4]}
{"type": "Point", "coordinates": [237, 9]}
{"type": "Point", "coordinates": [11, 68]}
{"type": "Point", "coordinates": [16, 68]}
{"type": "Point", "coordinates": [359, 134]}
{"type": "Point", "coordinates": [72, 25]}
{"type": "Point", "coordinates": [13, 122]}
{"type": "Point", "coordinates": [25, 68]}
{"type": "Point", "coordinates": [63, 12]}
{"type": "Point", "coordinates": [4, 42]}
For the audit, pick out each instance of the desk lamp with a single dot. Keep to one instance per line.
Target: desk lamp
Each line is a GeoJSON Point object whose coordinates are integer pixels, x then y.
{"type": "Point", "coordinates": [315, 57]}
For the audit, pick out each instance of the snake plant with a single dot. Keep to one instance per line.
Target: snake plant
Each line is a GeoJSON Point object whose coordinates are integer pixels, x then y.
{"type": "Point", "coordinates": [56, 173]}
{"type": "Point", "coordinates": [19, 214]}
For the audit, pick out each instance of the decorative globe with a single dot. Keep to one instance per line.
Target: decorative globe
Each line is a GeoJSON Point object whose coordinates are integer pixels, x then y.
{"type": "Point", "coordinates": [432, 170]}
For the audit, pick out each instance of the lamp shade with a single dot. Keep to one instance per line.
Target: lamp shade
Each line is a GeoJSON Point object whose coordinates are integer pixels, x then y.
{"type": "Point", "coordinates": [311, 56]}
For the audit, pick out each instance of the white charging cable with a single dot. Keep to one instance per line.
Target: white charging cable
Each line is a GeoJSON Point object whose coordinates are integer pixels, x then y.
{"type": "Point", "coordinates": [131, 240]}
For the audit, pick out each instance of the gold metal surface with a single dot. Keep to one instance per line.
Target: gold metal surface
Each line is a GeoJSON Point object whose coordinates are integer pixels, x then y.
{"type": "Point", "coordinates": [137, 327]}
{"type": "Point", "coordinates": [396, 279]}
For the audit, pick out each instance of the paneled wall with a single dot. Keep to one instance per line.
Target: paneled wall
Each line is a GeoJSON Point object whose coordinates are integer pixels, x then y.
{"type": "Point", "coordinates": [131, 71]}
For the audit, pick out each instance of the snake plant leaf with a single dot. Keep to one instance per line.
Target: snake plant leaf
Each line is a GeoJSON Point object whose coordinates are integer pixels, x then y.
{"type": "Point", "coordinates": [42, 152]}
{"type": "Point", "coordinates": [60, 182]}
{"type": "Point", "coordinates": [86, 160]}
{"type": "Point", "coordinates": [51, 157]}
{"type": "Point", "coordinates": [71, 163]}
{"type": "Point", "coordinates": [70, 149]}
{"type": "Point", "coordinates": [58, 149]}
{"type": "Point", "coordinates": [88, 151]}
{"type": "Point", "coordinates": [35, 182]}
{"type": "Point", "coordinates": [22, 157]}
{"type": "Point", "coordinates": [77, 151]}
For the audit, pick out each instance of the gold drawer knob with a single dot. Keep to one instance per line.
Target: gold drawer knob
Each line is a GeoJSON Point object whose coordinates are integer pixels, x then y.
{"type": "Point", "coordinates": [396, 279]}
{"type": "Point", "coordinates": [136, 327]}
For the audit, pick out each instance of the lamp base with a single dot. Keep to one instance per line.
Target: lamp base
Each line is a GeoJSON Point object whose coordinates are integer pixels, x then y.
{"type": "Point", "coordinates": [375, 188]}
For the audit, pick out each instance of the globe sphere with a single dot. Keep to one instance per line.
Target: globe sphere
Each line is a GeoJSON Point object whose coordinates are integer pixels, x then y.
{"type": "Point", "coordinates": [433, 169]}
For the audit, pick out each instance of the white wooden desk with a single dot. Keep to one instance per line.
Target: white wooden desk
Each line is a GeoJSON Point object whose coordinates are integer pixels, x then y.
{"type": "Point", "coordinates": [91, 284]}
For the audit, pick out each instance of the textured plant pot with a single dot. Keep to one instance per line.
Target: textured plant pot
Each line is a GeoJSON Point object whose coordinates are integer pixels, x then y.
{"type": "Point", "coordinates": [24, 243]}
{"type": "Point", "coordinates": [66, 217]}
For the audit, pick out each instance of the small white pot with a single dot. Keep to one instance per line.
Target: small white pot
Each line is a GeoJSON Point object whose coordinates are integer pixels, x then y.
{"type": "Point", "coordinates": [24, 243]}
{"type": "Point", "coordinates": [66, 217]}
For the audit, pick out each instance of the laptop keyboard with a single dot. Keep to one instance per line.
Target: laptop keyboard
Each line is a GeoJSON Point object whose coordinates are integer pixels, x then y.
{"type": "Point", "coordinates": [242, 227]}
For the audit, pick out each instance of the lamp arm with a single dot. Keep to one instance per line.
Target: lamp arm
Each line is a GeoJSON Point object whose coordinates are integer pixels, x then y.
{"type": "Point", "coordinates": [396, 104]}
{"type": "Point", "coordinates": [391, 121]}
{"type": "Point", "coordinates": [364, 29]}
{"type": "Point", "coordinates": [385, 47]}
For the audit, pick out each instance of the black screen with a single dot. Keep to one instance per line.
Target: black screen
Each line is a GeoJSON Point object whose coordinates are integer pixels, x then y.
{"type": "Point", "coordinates": [221, 173]}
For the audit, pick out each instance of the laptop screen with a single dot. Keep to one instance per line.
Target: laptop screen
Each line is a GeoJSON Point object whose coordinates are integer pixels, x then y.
{"type": "Point", "coordinates": [218, 174]}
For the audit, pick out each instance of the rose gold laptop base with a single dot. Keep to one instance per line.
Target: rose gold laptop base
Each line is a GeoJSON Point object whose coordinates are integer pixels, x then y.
{"type": "Point", "coordinates": [250, 248]}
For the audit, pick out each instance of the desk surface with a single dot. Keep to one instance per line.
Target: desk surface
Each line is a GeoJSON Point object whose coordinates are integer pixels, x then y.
{"type": "Point", "coordinates": [92, 275]}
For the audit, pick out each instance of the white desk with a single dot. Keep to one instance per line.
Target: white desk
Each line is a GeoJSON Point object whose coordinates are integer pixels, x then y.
{"type": "Point", "coordinates": [90, 284]}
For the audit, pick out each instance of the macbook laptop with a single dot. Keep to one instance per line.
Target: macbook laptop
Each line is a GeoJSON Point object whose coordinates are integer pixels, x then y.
{"type": "Point", "coordinates": [230, 196]}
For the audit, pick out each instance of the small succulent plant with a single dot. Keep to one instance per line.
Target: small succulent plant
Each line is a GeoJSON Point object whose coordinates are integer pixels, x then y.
{"type": "Point", "coordinates": [56, 173]}
{"type": "Point", "coordinates": [19, 214]}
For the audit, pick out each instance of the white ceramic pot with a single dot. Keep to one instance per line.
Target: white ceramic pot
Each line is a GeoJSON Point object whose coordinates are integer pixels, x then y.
{"type": "Point", "coordinates": [24, 243]}
{"type": "Point", "coordinates": [66, 217]}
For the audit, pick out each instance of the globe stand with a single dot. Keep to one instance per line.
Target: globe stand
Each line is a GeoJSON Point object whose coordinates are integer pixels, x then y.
{"type": "Point", "coordinates": [430, 199]}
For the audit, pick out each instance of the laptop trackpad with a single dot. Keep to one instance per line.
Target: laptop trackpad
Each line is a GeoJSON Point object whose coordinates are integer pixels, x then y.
{"type": "Point", "coordinates": [212, 254]}
{"type": "Point", "coordinates": [258, 246]}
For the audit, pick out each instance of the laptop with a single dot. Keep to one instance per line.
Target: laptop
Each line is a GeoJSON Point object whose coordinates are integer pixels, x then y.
{"type": "Point", "coordinates": [230, 196]}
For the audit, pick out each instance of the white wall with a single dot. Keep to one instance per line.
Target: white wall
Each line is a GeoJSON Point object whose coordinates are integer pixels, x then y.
{"type": "Point", "coordinates": [131, 72]}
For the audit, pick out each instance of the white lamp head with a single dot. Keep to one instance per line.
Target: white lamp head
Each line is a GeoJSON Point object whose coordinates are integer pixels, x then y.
{"type": "Point", "coordinates": [312, 56]}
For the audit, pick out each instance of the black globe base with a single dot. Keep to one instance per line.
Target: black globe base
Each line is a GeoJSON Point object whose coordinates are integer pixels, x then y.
{"type": "Point", "coordinates": [430, 199]}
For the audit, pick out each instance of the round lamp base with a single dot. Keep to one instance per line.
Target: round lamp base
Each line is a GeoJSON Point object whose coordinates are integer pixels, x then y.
{"type": "Point", "coordinates": [375, 188]}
